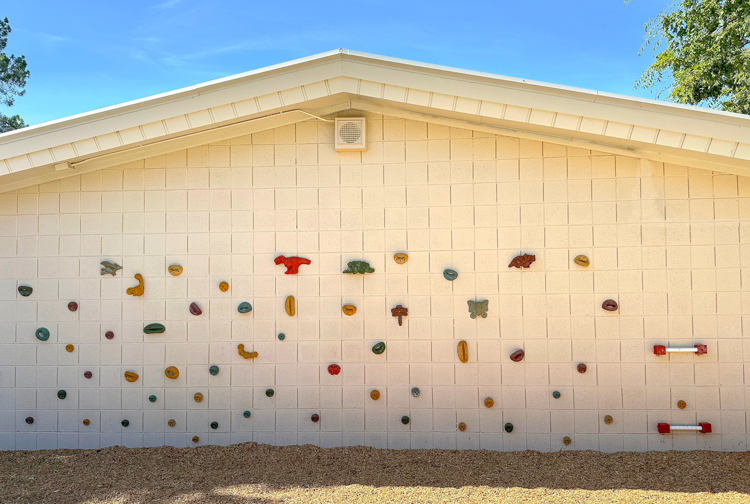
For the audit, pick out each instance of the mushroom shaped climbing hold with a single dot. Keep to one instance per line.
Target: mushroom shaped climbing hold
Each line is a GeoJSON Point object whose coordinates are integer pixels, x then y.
{"type": "Point", "coordinates": [282, 336]}
{"type": "Point", "coordinates": [223, 286]}
{"type": "Point", "coordinates": [463, 351]}
{"type": "Point", "coordinates": [87, 374]}
{"type": "Point", "coordinates": [130, 376]}
{"type": "Point", "coordinates": [378, 348]}
{"type": "Point", "coordinates": [567, 441]}
{"type": "Point", "coordinates": [462, 427]}
{"type": "Point", "coordinates": [349, 310]}
{"type": "Point", "coordinates": [198, 397]}
{"type": "Point", "coordinates": [86, 422]}
{"type": "Point", "coordinates": [334, 369]}
{"type": "Point", "coordinates": [138, 289]}
{"type": "Point", "coordinates": [196, 439]}
{"type": "Point", "coordinates": [72, 306]}
{"type": "Point", "coordinates": [69, 348]}
{"type": "Point", "coordinates": [315, 417]}
{"type": "Point", "coordinates": [269, 392]}
{"type": "Point", "coordinates": [399, 312]}
{"type": "Point", "coordinates": [556, 394]}
{"type": "Point", "coordinates": [508, 427]}
{"type": "Point", "coordinates": [405, 420]}
{"type": "Point", "coordinates": [154, 329]}
{"type": "Point", "coordinates": [29, 420]}
{"type": "Point", "coordinates": [61, 394]}
{"type": "Point", "coordinates": [109, 335]}
{"type": "Point", "coordinates": [292, 264]}
{"type": "Point", "coordinates": [415, 392]}
{"type": "Point", "coordinates": [25, 290]}
{"type": "Point", "coordinates": [517, 356]}
{"type": "Point", "coordinates": [400, 258]}
{"type": "Point", "coordinates": [246, 414]}
{"type": "Point", "coordinates": [175, 270]}
{"type": "Point", "coordinates": [489, 402]}
{"type": "Point", "coordinates": [172, 373]}
{"type": "Point", "coordinates": [610, 305]}
{"type": "Point", "coordinates": [581, 368]}
{"type": "Point", "coordinates": [244, 307]}
{"type": "Point", "coordinates": [213, 370]}
{"type": "Point", "coordinates": [125, 422]}
{"type": "Point", "coordinates": [289, 306]}
{"type": "Point", "coordinates": [152, 398]}
{"type": "Point", "coordinates": [171, 422]}
{"type": "Point", "coordinates": [681, 404]}
{"type": "Point", "coordinates": [581, 260]}
{"type": "Point", "coordinates": [214, 425]}
{"type": "Point", "coordinates": [195, 309]}
{"type": "Point", "coordinates": [450, 274]}
{"type": "Point", "coordinates": [245, 355]}
{"type": "Point", "coordinates": [522, 261]}
{"type": "Point", "coordinates": [375, 395]}
{"type": "Point", "coordinates": [42, 334]}
{"type": "Point", "coordinates": [608, 419]}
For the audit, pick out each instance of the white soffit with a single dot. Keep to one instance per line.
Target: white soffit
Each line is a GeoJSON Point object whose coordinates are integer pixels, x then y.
{"type": "Point", "coordinates": [330, 82]}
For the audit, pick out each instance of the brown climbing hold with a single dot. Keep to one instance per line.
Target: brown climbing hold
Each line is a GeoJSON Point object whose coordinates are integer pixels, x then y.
{"type": "Point", "coordinates": [198, 397]}
{"type": "Point", "coordinates": [87, 375]}
{"type": "Point", "coordinates": [223, 286]}
{"type": "Point", "coordinates": [462, 427]}
{"type": "Point", "coordinates": [581, 260]}
{"type": "Point", "coordinates": [489, 402]}
{"type": "Point", "coordinates": [72, 306]}
{"type": "Point", "coordinates": [69, 348]}
{"type": "Point", "coordinates": [608, 419]}
{"type": "Point", "coordinates": [245, 355]}
{"type": "Point", "coordinates": [581, 368]}
{"type": "Point", "coordinates": [315, 417]}
{"type": "Point", "coordinates": [130, 376]}
{"type": "Point", "coordinates": [400, 312]}
{"type": "Point", "coordinates": [400, 258]}
{"type": "Point", "coordinates": [86, 422]}
{"type": "Point", "coordinates": [517, 356]}
{"type": "Point", "coordinates": [171, 422]}
{"type": "Point", "coordinates": [567, 441]}
{"type": "Point", "coordinates": [138, 289]}
{"type": "Point", "coordinates": [289, 306]}
{"type": "Point", "coordinates": [196, 439]}
{"type": "Point", "coordinates": [463, 351]}
{"type": "Point", "coordinates": [681, 404]}
{"type": "Point", "coordinates": [349, 309]}
{"type": "Point", "coordinates": [610, 305]}
{"type": "Point", "coordinates": [175, 270]}
{"type": "Point", "coordinates": [522, 261]}
{"type": "Point", "coordinates": [172, 372]}
{"type": "Point", "coordinates": [109, 335]}
{"type": "Point", "coordinates": [375, 395]}
{"type": "Point", "coordinates": [195, 309]}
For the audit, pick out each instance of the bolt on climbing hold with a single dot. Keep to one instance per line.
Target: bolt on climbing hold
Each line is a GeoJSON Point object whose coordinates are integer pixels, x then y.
{"type": "Point", "coordinates": [198, 397]}
{"type": "Point", "coordinates": [415, 392]}
{"type": "Point", "coordinates": [25, 290]}
{"type": "Point", "coordinates": [400, 258]}
{"type": "Point", "coordinates": [195, 309]}
{"type": "Point", "coordinates": [405, 420]}
{"type": "Point", "coordinates": [358, 267]}
{"type": "Point", "coordinates": [72, 306]}
{"type": "Point", "coordinates": [154, 329]}
{"type": "Point", "coordinates": [214, 425]}
{"type": "Point", "coordinates": [292, 263]}
{"type": "Point", "coordinates": [489, 402]}
{"type": "Point", "coordinates": [269, 392]}
{"type": "Point", "coordinates": [282, 336]}
{"type": "Point", "coordinates": [244, 307]}
{"type": "Point", "coordinates": [69, 348]}
{"type": "Point", "coordinates": [130, 376]}
{"type": "Point", "coordinates": [517, 356]}
{"type": "Point", "coordinates": [246, 414]}
{"type": "Point", "coordinates": [375, 395]}
{"type": "Point", "coordinates": [581, 260]}
{"type": "Point", "coordinates": [378, 348]}
{"type": "Point", "coordinates": [349, 310]}
{"type": "Point", "coordinates": [87, 375]}
{"type": "Point", "coordinates": [125, 423]}
{"type": "Point", "coordinates": [42, 334]}
{"type": "Point", "coordinates": [172, 373]}
{"type": "Point", "coordinates": [399, 312]}
{"type": "Point", "coordinates": [109, 268]}
{"type": "Point", "coordinates": [463, 351]}
{"type": "Point", "coordinates": [29, 420]}
{"type": "Point", "coordinates": [556, 394]}
{"type": "Point", "coordinates": [581, 368]}
{"type": "Point", "coordinates": [152, 398]}
{"type": "Point", "coordinates": [608, 419]}
{"type": "Point", "coordinates": [315, 417]}
{"type": "Point", "coordinates": [450, 274]}
{"type": "Point", "coordinates": [522, 261]}
{"type": "Point", "coordinates": [171, 422]}
{"type": "Point", "coordinates": [213, 370]}
{"type": "Point", "coordinates": [681, 404]}
{"type": "Point", "coordinates": [223, 286]}
{"type": "Point", "coordinates": [175, 270]}
{"type": "Point", "coordinates": [478, 308]}
{"type": "Point", "coordinates": [109, 335]}
{"type": "Point", "coordinates": [138, 289]}
{"type": "Point", "coordinates": [334, 369]}
{"type": "Point", "coordinates": [289, 306]}
{"type": "Point", "coordinates": [609, 305]}
{"type": "Point", "coordinates": [462, 427]}
{"type": "Point", "coordinates": [508, 427]}
{"type": "Point", "coordinates": [61, 394]}
{"type": "Point", "coordinates": [245, 355]}
{"type": "Point", "coordinates": [86, 422]}
{"type": "Point", "coordinates": [567, 441]}
{"type": "Point", "coordinates": [196, 439]}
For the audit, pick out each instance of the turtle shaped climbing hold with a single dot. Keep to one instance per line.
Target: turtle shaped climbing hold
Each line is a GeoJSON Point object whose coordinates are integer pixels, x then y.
{"type": "Point", "coordinates": [109, 335]}
{"type": "Point", "coordinates": [213, 370]}
{"type": "Point", "coordinates": [269, 392]}
{"type": "Point", "coordinates": [42, 334]}
{"type": "Point", "coordinates": [405, 420]}
{"type": "Point", "coordinates": [195, 309]}
{"type": "Point", "coordinates": [223, 286]}
{"type": "Point", "coordinates": [581, 260]}
{"type": "Point", "coordinates": [86, 422]}
{"type": "Point", "coordinates": [610, 305]}
{"type": "Point", "coordinates": [131, 377]}
{"type": "Point", "coordinates": [246, 414]}
{"type": "Point", "coordinates": [315, 417]}
{"type": "Point", "coordinates": [375, 395]}
{"type": "Point", "coordinates": [214, 425]}
{"type": "Point", "coordinates": [29, 420]}
{"type": "Point", "coordinates": [450, 274]}
{"type": "Point", "coordinates": [125, 423]}
{"type": "Point", "coordinates": [517, 356]}
{"type": "Point", "coordinates": [334, 369]}
{"type": "Point", "coordinates": [171, 422]}
{"type": "Point", "coordinates": [244, 307]}
{"type": "Point", "coordinates": [69, 348]}
{"type": "Point", "coordinates": [154, 329]}
{"type": "Point", "coordinates": [72, 306]}
{"type": "Point", "coordinates": [61, 394]}
{"type": "Point", "coordinates": [462, 427]}
{"type": "Point", "coordinates": [282, 336]}
{"type": "Point", "coordinates": [172, 373]}
{"type": "Point", "coordinates": [378, 348]}
{"type": "Point", "coordinates": [152, 398]}
{"type": "Point", "coordinates": [508, 427]}
{"type": "Point", "coordinates": [175, 270]}
{"type": "Point", "coordinates": [488, 402]}
{"type": "Point", "coordinates": [196, 439]}
{"type": "Point", "coordinates": [198, 397]}
{"type": "Point", "coordinates": [415, 392]}
{"type": "Point", "coordinates": [25, 290]}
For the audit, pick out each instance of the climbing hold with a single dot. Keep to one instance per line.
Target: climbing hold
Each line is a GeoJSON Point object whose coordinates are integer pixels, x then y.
{"type": "Point", "coordinates": [292, 263]}
{"type": "Point", "coordinates": [478, 308]}
{"type": "Point", "coordinates": [375, 395]}
{"type": "Point", "coordinates": [681, 404]}
{"type": "Point", "coordinates": [269, 392]}
{"type": "Point", "coordinates": [69, 348]}
{"type": "Point", "coordinates": [245, 355]}
{"type": "Point", "coordinates": [109, 268]}
{"type": "Point", "coordinates": [213, 370]}
{"type": "Point", "coordinates": [25, 290]}
{"type": "Point", "coordinates": [223, 286]}
{"type": "Point", "coordinates": [315, 417]}
{"type": "Point", "coordinates": [195, 309]}
{"type": "Point", "coordinates": [581, 368]}
{"type": "Point", "coordinates": [289, 306]}
{"type": "Point", "coordinates": [522, 261]}
{"type": "Point", "coordinates": [244, 307]}
{"type": "Point", "coordinates": [72, 306]}
{"type": "Point", "coordinates": [608, 419]}
{"type": "Point", "coordinates": [517, 356]}
{"type": "Point", "coordinates": [198, 397]}
{"type": "Point", "coordinates": [463, 351]}
{"type": "Point", "coordinates": [246, 414]}
{"type": "Point", "coordinates": [508, 427]}
{"type": "Point", "coordinates": [152, 398]}
{"type": "Point", "coordinates": [282, 336]}
{"type": "Point", "coordinates": [87, 374]}
{"type": "Point", "coordinates": [581, 260]}
{"type": "Point", "coordinates": [196, 439]}
{"type": "Point", "coordinates": [29, 420]}
{"type": "Point", "coordinates": [334, 369]}
{"type": "Point", "coordinates": [610, 305]}
{"type": "Point", "coordinates": [405, 420]}
{"type": "Point", "coordinates": [175, 270]}
{"type": "Point", "coordinates": [86, 422]}
{"type": "Point", "coordinates": [358, 267]}
{"type": "Point", "coordinates": [130, 376]}
{"type": "Point", "coordinates": [567, 441]}
{"type": "Point", "coordinates": [400, 258]}
{"type": "Point", "coordinates": [138, 289]}
{"type": "Point", "coordinates": [415, 392]}
{"type": "Point", "coordinates": [109, 335]}
{"type": "Point", "coordinates": [172, 372]}
{"type": "Point", "coordinates": [462, 427]}
{"type": "Point", "coordinates": [349, 310]}
{"type": "Point", "coordinates": [378, 348]}
{"type": "Point", "coordinates": [488, 402]}
{"type": "Point", "coordinates": [42, 334]}
{"type": "Point", "coordinates": [214, 425]}
{"type": "Point", "coordinates": [450, 274]}
{"type": "Point", "coordinates": [556, 394]}
{"type": "Point", "coordinates": [125, 422]}
{"type": "Point", "coordinates": [171, 422]}
{"type": "Point", "coordinates": [399, 312]}
{"type": "Point", "coordinates": [154, 329]}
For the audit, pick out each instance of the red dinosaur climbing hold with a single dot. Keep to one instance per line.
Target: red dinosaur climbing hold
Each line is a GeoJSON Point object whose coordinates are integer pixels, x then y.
{"type": "Point", "coordinates": [292, 263]}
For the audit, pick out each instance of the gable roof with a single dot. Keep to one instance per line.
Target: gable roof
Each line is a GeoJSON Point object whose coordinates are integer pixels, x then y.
{"type": "Point", "coordinates": [339, 80]}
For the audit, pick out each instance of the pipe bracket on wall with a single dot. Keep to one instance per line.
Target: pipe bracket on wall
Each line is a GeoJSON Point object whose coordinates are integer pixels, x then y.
{"type": "Point", "coordinates": [696, 349]}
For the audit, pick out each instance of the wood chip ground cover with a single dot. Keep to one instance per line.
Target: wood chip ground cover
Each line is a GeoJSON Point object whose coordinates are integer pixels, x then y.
{"type": "Point", "coordinates": [251, 473]}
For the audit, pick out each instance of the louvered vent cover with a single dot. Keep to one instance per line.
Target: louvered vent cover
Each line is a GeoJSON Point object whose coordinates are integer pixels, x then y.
{"type": "Point", "coordinates": [350, 134]}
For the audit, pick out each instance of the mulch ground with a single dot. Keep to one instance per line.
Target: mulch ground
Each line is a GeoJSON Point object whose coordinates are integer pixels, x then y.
{"type": "Point", "coordinates": [269, 475]}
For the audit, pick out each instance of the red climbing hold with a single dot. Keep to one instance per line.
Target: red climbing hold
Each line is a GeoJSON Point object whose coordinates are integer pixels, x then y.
{"type": "Point", "coordinates": [195, 309]}
{"type": "Point", "coordinates": [334, 369]}
{"type": "Point", "coordinates": [292, 263]}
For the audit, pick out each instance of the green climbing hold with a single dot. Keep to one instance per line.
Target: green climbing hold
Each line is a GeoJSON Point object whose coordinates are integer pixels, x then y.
{"type": "Point", "coordinates": [125, 422]}
{"type": "Point", "coordinates": [244, 307]}
{"type": "Point", "coordinates": [405, 420]}
{"type": "Point", "coordinates": [154, 329]}
{"type": "Point", "coordinates": [42, 334]}
{"type": "Point", "coordinates": [61, 394]}
{"type": "Point", "coordinates": [358, 267]}
{"type": "Point", "coordinates": [213, 370]}
{"type": "Point", "coordinates": [556, 394]}
{"type": "Point", "coordinates": [450, 274]}
{"type": "Point", "coordinates": [214, 425]}
{"type": "Point", "coordinates": [25, 290]}
{"type": "Point", "coordinates": [378, 348]}
{"type": "Point", "coordinates": [269, 392]}
{"type": "Point", "coordinates": [152, 398]}
{"type": "Point", "coordinates": [246, 414]}
{"type": "Point", "coordinates": [415, 392]}
{"type": "Point", "coordinates": [508, 427]}
{"type": "Point", "coordinates": [282, 336]}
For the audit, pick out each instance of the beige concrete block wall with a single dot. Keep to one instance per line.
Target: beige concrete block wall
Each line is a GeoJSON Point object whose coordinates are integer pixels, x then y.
{"type": "Point", "coordinates": [667, 242]}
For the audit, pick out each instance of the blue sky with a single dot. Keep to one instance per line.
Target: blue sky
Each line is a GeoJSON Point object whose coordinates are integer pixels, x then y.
{"type": "Point", "coordinates": [85, 55]}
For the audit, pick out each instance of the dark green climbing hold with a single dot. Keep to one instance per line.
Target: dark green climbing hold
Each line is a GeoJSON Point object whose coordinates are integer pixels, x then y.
{"type": "Point", "coordinates": [61, 394]}
{"type": "Point", "coordinates": [282, 336]}
{"type": "Point", "coordinates": [213, 370]}
{"type": "Point", "coordinates": [378, 348]}
{"type": "Point", "coordinates": [25, 290]}
{"type": "Point", "coordinates": [415, 392]}
{"type": "Point", "coordinates": [125, 422]}
{"type": "Point", "coordinates": [450, 274]}
{"type": "Point", "coordinates": [509, 427]}
{"type": "Point", "coordinates": [358, 267]}
{"type": "Point", "coordinates": [269, 392]}
{"type": "Point", "coordinates": [214, 425]}
{"type": "Point", "coordinates": [556, 394]}
{"type": "Point", "coordinates": [244, 307]}
{"type": "Point", "coordinates": [42, 334]}
{"type": "Point", "coordinates": [405, 420]}
{"type": "Point", "coordinates": [152, 398]}
{"type": "Point", "coordinates": [154, 329]}
{"type": "Point", "coordinates": [246, 414]}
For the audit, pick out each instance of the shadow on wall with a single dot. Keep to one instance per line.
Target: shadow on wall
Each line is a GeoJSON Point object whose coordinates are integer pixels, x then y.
{"type": "Point", "coordinates": [261, 473]}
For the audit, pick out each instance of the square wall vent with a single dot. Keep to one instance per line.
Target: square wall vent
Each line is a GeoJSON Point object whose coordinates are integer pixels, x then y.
{"type": "Point", "coordinates": [350, 134]}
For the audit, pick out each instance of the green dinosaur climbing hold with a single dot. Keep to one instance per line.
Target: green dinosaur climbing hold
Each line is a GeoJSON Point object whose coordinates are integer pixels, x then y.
{"type": "Point", "coordinates": [359, 267]}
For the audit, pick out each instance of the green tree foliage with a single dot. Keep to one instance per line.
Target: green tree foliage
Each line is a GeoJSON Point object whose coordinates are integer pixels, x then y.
{"type": "Point", "coordinates": [13, 75]}
{"type": "Point", "coordinates": [702, 53]}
